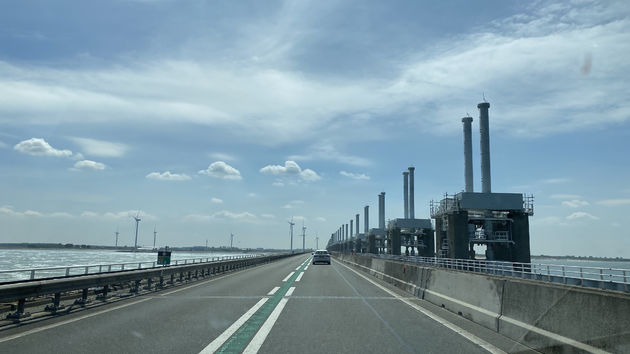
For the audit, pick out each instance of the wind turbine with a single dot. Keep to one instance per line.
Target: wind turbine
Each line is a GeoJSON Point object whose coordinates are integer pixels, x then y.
{"type": "Point", "coordinates": [117, 233]}
{"type": "Point", "coordinates": [291, 223]}
{"type": "Point", "coordinates": [316, 241]}
{"type": "Point", "coordinates": [231, 240]}
{"type": "Point", "coordinates": [303, 234]}
{"type": "Point", "coordinates": [154, 235]}
{"type": "Point", "coordinates": [137, 219]}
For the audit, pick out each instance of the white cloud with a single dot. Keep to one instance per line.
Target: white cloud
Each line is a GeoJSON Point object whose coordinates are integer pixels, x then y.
{"type": "Point", "coordinates": [320, 219]}
{"type": "Point", "coordinates": [128, 214]}
{"type": "Point", "coordinates": [292, 204]}
{"type": "Point", "coordinates": [168, 176]}
{"type": "Point", "coordinates": [39, 147]}
{"type": "Point", "coordinates": [290, 169]}
{"type": "Point", "coordinates": [614, 202]}
{"type": "Point", "coordinates": [224, 215]}
{"type": "Point", "coordinates": [222, 156]}
{"type": "Point", "coordinates": [565, 196]}
{"type": "Point", "coordinates": [581, 215]}
{"type": "Point", "coordinates": [555, 180]}
{"type": "Point", "coordinates": [575, 203]}
{"type": "Point", "coordinates": [9, 211]}
{"type": "Point", "coordinates": [357, 176]}
{"type": "Point", "coordinates": [101, 148]}
{"type": "Point", "coordinates": [89, 165]}
{"type": "Point", "coordinates": [220, 169]}
{"type": "Point", "coordinates": [327, 151]}
{"type": "Point", "coordinates": [216, 200]}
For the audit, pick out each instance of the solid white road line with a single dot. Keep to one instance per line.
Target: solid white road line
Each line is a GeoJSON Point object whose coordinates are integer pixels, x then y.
{"type": "Point", "coordinates": [299, 277]}
{"type": "Point", "coordinates": [218, 342]}
{"type": "Point", "coordinates": [471, 337]}
{"type": "Point", "coordinates": [290, 291]}
{"type": "Point", "coordinates": [273, 291]}
{"type": "Point", "coordinates": [43, 328]}
{"type": "Point", "coordinates": [264, 330]}
{"type": "Point", "coordinates": [288, 276]}
{"type": "Point", "coordinates": [306, 268]}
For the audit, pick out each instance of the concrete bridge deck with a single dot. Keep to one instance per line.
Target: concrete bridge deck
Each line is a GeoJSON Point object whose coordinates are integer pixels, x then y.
{"type": "Point", "coordinates": [295, 307]}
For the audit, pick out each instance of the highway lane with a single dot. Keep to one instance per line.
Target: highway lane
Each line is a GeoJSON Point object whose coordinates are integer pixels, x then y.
{"type": "Point", "coordinates": [317, 308]}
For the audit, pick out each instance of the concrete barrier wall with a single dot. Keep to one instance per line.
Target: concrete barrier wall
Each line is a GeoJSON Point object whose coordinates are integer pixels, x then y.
{"type": "Point", "coordinates": [551, 318]}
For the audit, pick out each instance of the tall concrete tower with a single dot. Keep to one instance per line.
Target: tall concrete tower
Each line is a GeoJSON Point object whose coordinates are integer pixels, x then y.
{"type": "Point", "coordinates": [484, 135]}
{"type": "Point", "coordinates": [468, 166]}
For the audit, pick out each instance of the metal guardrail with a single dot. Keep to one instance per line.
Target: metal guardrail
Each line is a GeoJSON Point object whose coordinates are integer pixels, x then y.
{"type": "Point", "coordinates": [604, 278]}
{"type": "Point", "coordinates": [66, 271]}
{"type": "Point", "coordinates": [156, 278]}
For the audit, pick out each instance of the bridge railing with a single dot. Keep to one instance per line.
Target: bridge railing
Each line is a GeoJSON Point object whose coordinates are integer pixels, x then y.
{"type": "Point", "coordinates": [74, 270]}
{"type": "Point", "coordinates": [153, 278]}
{"type": "Point", "coordinates": [607, 278]}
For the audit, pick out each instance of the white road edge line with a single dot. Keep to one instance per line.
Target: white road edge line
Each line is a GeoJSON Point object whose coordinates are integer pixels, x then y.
{"type": "Point", "coordinates": [290, 291]}
{"type": "Point", "coordinates": [299, 277]}
{"type": "Point", "coordinates": [273, 291]}
{"type": "Point", "coordinates": [43, 328]}
{"type": "Point", "coordinates": [462, 332]}
{"type": "Point", "coordinates": [288, 276]}
{"type": "Point", "coordinates": [264, 330]}
{"type": "Point", "coordinates": [218, 342]}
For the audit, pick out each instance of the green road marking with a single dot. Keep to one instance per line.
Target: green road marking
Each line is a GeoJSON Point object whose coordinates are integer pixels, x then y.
{"type": "Point", "coordinates": [239, 340]}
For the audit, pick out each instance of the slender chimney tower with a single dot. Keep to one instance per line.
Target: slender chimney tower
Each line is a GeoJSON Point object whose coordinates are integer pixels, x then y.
{"type": "Point", "coordinates": [411, 193]}
{"type": "Point", "coordinates": [351, 231]}
{"type": "Point", "coordinates": [366, 219]}
{"type": "Point", "coordinates": [381, 211]}
{"type": "Point", "coordinates": [406, 193]}
{"type": "Point", "coordinates": [357, 223]}
{"type": "Point", "coordinates": [484, 133]}
{"type": "Point", "coordinates": [468, 166]}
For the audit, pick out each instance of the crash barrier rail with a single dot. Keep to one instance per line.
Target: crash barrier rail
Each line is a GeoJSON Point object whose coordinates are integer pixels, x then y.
{"type": "Point", "coordinates": [594, 277]}
{"type": "Point", "coordinates": [156, 277]}
{"type": "Point", "coordinates": [67, 271]}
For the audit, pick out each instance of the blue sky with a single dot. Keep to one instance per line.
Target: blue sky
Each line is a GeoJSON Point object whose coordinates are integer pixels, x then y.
{"type": "Point", "coordinates": [219, 117]}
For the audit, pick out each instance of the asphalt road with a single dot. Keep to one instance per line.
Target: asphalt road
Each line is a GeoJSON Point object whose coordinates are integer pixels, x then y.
{"type": "Point", "coordinates": [288, 306]}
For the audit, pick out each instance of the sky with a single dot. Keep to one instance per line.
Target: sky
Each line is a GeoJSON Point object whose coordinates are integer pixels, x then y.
{"type": "Point", "coordinates": [216, 117]}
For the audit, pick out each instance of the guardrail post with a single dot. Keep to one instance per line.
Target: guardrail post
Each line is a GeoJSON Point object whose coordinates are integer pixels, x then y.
{"type": "Point", "coordinates": [84, 298]}
{"type": "Point", "coordinates": [105, 291]}
{"type": "Point", "coordinates": [19, 313]}
{"type": "Point", "coordinates": [181, 277]}
{"type": "Point", "coordinates": [67, 271]}
{"type": "Point", "coordinates": [161, 283]}
{"type": "Point", "coordinates": [55, 305]}
{"type": "Point", "coordinates": [601, 274]}
{"type": "Point", "coordinates": [149, 283]}
{"type": "Point", "coordinates": [188, 275]}
{"type": "Point", "coordinates": [86, 270]}
{"type": "Point", "coordinates": [172, 279]}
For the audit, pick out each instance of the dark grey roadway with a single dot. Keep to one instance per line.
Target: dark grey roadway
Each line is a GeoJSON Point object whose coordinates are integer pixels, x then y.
{"type": "Point", "coordinates": [332, 310]}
